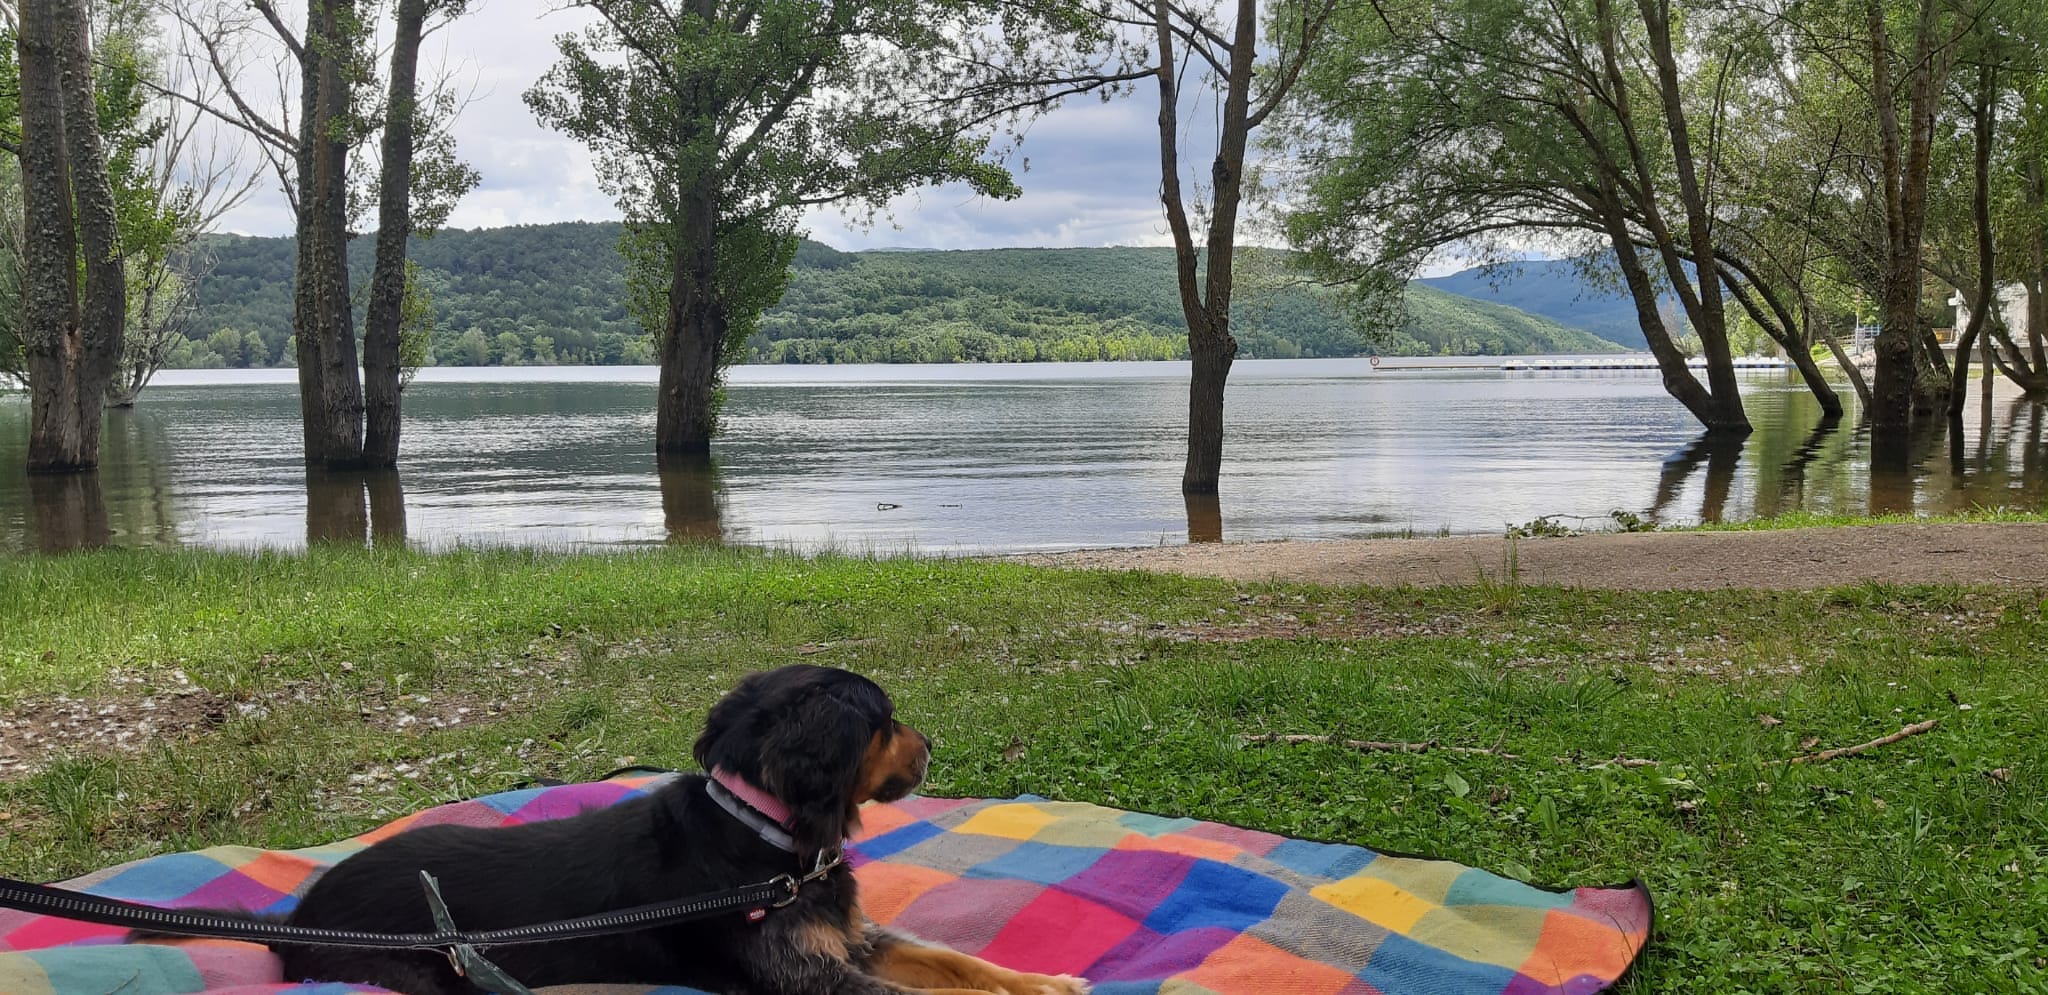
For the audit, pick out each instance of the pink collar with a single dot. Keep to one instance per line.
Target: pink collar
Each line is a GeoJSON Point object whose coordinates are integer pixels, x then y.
{"type": "Point", "coordinates": [756, 798]}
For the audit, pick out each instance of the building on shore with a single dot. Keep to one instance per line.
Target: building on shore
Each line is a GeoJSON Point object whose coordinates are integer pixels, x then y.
{"type": "Point", "coordinates": [2012, 300]}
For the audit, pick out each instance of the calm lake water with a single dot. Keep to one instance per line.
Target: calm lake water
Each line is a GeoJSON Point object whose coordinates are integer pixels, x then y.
{"type": "Point", "coordinates": [965, 459]}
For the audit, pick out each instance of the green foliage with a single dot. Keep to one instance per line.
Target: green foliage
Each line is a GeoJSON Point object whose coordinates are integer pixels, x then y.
{"type": "Point", "coordinates": [156, 214]}
{"type": "Point", "coordinates": [713, 125]}
{"type": "Point", "coordinates": [567, 282]}
{"type": "Point", "coordinates": [415, 326]}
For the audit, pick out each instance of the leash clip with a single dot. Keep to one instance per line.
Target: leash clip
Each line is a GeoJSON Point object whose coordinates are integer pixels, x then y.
{"type": "Point", "coordinates": [786, 882]}
{"type": "Point", "coordinates": [826, 861]}
{"type": "Point", "coordinates": [824, 864]}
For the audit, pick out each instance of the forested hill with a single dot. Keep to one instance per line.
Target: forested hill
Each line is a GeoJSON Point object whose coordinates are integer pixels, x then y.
{"type": "Point", "coordinates": [1553, 288]}
{"type": "Point", "coordinates": [554, 294]}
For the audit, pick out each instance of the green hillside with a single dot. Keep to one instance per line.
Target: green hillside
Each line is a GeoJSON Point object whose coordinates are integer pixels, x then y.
{"type": "Point", "coordinates": [1555, 289]}
{"type": "Point", "coordinates": [552, 294]}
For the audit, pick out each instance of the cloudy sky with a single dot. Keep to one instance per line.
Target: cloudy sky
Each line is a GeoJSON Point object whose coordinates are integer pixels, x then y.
{"type": "Point", "coordinates": [1090, 171]}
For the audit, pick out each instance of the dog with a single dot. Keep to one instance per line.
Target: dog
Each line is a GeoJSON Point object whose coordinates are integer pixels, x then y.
{"type": "Point", "coordinates": [791, 755]}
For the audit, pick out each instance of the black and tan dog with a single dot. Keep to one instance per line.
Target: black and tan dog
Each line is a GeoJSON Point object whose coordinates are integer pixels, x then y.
{"type": "Point", "coordinates": [793, 754]}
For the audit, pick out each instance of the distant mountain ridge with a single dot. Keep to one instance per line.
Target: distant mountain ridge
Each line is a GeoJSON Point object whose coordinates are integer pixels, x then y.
{"type": "Point", "coordinates": [546, 294]}
{"type": "Point", "coordinates": [1554, 289]}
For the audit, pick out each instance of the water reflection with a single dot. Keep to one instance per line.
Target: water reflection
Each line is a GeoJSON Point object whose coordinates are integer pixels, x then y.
{"type": "Point", "coordinates": [70, 511]}
{"type": "Point", "coordinates": [1205, 517]}
{"type": "Point", "coordinates": [1720, 453]}
{"type": "Point", "coordinates": [691, 502]}
{"type": "Point", "coordinates": [1896, 466]}
{"type": "Point", "coordinates": [1808, 457]}
{"type": "Point", "coordinates": [964, 460]}
{"type": "Point", "coordinates": [354, 508]}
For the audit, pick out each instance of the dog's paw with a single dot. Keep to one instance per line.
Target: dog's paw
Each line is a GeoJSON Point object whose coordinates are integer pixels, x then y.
{"type": "Point", "coordinates": [1045, 984]}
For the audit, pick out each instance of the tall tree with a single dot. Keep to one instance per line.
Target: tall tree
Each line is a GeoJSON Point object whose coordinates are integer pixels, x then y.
{"type": "Point", "coordinates": [715, 121]}
{"type": "Point", "coordinates": [170, 184]}
{"type": "Point", "coordinates": [1875, 74]}
{"type": "Point", "coordinates": [1489, 126]}
{"type": "Point", "coordinates": [74, 287]}
{"type": "Point", "coordinates": [1905, 150]}
{"type": "Point", "coordinates": [311, 156]}
{"type": "Point", "coordinates": [330, 395]}
{"type": "Point", "coordinates": [399, 186]}
{"type": "Point", "coordinates": [1230, 63]}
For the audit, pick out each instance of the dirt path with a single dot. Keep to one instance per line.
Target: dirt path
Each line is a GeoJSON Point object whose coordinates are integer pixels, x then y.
{"type": "Point", "coordinates": [1989, 553]}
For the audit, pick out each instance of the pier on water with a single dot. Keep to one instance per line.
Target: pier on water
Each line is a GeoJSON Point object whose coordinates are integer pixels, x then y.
{"type": "Point", "coordinates": [1591, 364]}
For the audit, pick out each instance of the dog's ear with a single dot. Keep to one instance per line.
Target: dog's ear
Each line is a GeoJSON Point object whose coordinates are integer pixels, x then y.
{"type": "Point", "coordinates": [811, 759]}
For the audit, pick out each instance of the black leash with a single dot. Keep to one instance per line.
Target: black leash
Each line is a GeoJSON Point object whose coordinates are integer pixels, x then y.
{"type": "Point", "coordinates": [461, 947]}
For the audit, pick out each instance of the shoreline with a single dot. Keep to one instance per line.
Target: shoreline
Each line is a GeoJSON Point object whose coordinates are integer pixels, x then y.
{"type": "Point", "coordinates": [2011, 554]}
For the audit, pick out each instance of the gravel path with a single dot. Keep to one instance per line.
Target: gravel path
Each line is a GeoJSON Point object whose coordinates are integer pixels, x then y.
{"type": "Point", "coordinates": [2013, 554]}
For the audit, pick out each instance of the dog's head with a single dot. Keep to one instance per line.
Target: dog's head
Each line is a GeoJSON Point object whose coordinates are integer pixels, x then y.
{"type": "Point", "coordinates": [821, 740]}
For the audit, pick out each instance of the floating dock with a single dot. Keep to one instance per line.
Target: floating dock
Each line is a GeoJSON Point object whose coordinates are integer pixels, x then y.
{"type": "Point", "coordinates": [1618, 363]}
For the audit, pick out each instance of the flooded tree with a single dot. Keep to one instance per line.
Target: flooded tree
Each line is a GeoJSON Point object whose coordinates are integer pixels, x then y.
{"type": "Point", "coordinates": [414, 194]}
{"type": "Point", "coordinates": [74, 290]}
{"type": "Point", "coordinates": [715, 123]}
{"type": "Point", "coordinates": [1594, 129]}
{"type": "Point", "coordinates": [311, 157]}
{"type": "Point", "coordinates": [1229, 62]}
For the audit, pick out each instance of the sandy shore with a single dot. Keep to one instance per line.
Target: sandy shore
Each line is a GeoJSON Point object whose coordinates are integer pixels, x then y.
{"type": "Point", "coordinates": [2014, 554]}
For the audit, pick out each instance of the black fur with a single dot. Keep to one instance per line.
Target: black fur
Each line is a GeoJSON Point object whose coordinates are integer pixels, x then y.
{"type": "Point", "coordinates": [800, 732]}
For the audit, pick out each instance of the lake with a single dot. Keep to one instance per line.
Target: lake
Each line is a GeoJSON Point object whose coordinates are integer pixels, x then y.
{"type": "Point", "coordinates": [989, 458]}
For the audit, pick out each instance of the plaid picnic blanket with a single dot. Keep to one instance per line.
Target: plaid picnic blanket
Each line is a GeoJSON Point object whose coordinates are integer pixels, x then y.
{"type": "Point", "coordinates": [1140, 904]}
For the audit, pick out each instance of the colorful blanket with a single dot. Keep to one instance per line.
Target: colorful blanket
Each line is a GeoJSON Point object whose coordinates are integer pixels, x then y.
{"type": "Point", "coordinates": [1140, 904]}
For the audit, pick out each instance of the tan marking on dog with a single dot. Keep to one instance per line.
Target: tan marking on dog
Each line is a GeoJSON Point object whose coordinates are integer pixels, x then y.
{"type": "Point", "coordinates": [822, 939]}
{"type": "Point", "coordinates": [898, 754]}
{"type": "Point", "coordinates": [938, 970]}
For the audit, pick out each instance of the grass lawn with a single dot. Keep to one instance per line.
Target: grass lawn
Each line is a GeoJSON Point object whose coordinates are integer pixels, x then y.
{"type": "Point", "coordinates": [315, 695]}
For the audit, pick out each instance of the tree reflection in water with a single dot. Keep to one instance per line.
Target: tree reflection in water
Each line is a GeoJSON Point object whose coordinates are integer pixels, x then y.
{"type": "Point", "coordinates": [70, 511]}
{"type": "Point", "coordinates": [691, 498]}
{"type": "Point", "coordinates": [1205, 518]}
{"type": "Point", "coordinates": [355, 508]}
{"type": "Point", "coordinates": [1720, 453]}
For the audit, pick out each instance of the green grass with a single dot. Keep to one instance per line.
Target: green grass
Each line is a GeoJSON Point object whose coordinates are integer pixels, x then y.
{"type": "Point", "coordinates": [1814, 520]}
{"type": "Point", "coordinates": [1921, 866]}
{"type": "Point", "coordinates": [1623, 521]}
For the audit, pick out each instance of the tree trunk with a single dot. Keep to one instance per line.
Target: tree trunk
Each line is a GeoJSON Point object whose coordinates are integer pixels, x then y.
{"type": "Point", "coordinates": [1212, 355]}
{"type": "Point", "coordinates": [1770, 313]}
{"type": "Point", "coordinates": [2036, 282]}
{"type": "Point", "coordinates": [72, 341]}
{"type": "Point", "coordinates": [1904, 158]}
{"type": "Point", "coordinates": [382, 319]}
{"type": "Point", "coordinates": [330, 391]}
{"type": "Point", "coordinates": [1983, 121]}
{"type": "Point", "coordinates": [694, 340]}
{"type": "Point", "coordinates": [1716, 413]}
{"type": "Point", "coordinates": [1205, 304]}
{"type": "Point", "coordinates": [1842, 358]}
{"type": "Point", "coordinates": [1702, 300]}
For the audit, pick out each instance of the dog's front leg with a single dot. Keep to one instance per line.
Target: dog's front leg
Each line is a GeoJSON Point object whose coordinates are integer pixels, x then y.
{"type": "Point", "coordinates": [930, 968]}
{"type": "Point", "coordinates": [813, 958]}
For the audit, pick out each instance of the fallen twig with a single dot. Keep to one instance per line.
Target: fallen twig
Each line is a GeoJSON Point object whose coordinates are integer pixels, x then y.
{"type": "Point", "coordinates": [1376, 746]}
{"type": "Point", "coordinates": [1826, 755]}
{"type": "Point", "coordinates": [1373, 746]}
